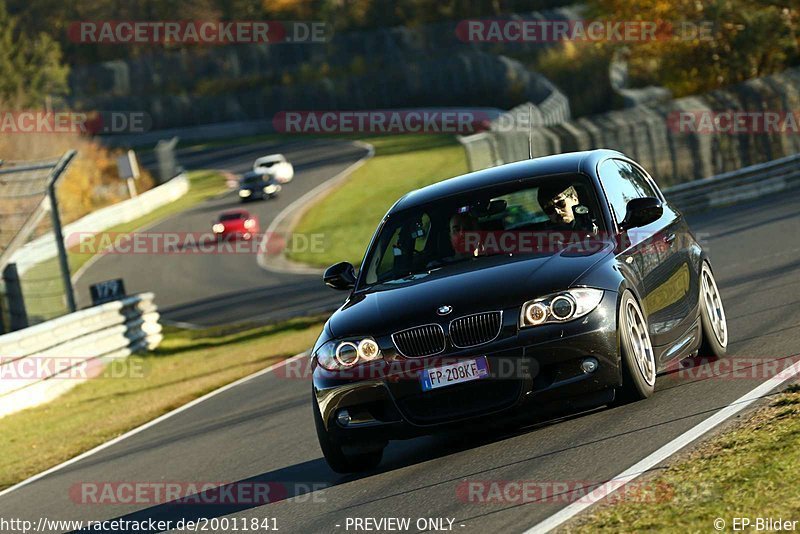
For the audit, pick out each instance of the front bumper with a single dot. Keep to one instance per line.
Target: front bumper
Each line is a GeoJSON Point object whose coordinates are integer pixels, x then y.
{"type": "Point", "coordinates": [533, 372]}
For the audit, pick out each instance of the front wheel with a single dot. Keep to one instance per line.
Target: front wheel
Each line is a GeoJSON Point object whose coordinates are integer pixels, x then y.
{"type": "Point", "coordinates": [338, 459]}
{"type": "Point", "coordinates": [638, 358]}
{"type": "Point", "coordinates": [712, 316]}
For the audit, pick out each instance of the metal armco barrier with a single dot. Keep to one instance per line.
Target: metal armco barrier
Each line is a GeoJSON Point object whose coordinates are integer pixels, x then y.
{"type": "Point", "coordinates": [732, 187]}
{"type": "Point", "coordinates": [654, 134]}
{"type": "Point", "coordinates": [32, 360]}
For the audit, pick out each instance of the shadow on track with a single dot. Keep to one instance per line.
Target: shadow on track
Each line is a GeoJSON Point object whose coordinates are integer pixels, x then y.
{"type": "Point", "coordinates": [301, 480]}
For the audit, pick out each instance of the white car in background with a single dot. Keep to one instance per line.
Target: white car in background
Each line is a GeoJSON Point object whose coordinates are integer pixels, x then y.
{"type": "Point", "coordinates": [276, 166]}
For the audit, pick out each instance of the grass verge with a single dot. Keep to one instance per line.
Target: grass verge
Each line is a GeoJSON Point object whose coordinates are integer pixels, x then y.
{"type": "Point", "coordinates": [347, 216]}
{"type": "Point", "coordinates": [187, 365]}
{"type": "Point", "coordinates": [750, 471]}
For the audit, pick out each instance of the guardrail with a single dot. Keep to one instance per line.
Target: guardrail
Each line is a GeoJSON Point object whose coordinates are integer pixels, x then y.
{"type": "Point", "coordinates": [735, 186]}
{"type": "Point", "coordinates": [481, 151]}
{"type": "Point", "coordinates": [43, 361]}
{"type": "Point", "coordinates": [666, 137]}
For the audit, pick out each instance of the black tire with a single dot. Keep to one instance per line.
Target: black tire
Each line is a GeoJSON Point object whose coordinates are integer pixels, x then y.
{"type": "Point", "coordinates": [638, 380]}
{"type": "Point", "coordinates": [337, 459]}
{"type": "Point", "coordinates": [714, 342]}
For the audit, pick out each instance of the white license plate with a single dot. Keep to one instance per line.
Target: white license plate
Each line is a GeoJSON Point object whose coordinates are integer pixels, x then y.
{"type": "Point", "coordinates": [454, 373]}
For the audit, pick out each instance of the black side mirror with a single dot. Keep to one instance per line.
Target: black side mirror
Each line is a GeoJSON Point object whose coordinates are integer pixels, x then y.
{"type": "Point", "coordinates": [340, 276]}
{"type": "Point", "coordinates": [641, 212]}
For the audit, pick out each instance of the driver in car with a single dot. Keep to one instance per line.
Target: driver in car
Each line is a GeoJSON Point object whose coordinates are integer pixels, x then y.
{"type": "Point", "coordinates": [561, 204]}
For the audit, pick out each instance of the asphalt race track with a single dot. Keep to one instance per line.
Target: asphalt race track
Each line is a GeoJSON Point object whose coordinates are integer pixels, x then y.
{"type": "Point", "coordinates": [262, 430]}
{"type": "Point", "coordinates": [212, 289]}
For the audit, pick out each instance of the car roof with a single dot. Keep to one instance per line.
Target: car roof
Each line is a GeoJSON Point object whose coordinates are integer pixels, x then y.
{"type": "Point", "coordinates": [234, 212]}
{"type": "Point", "coordinates": [569, 162]}
{"type": "Point", "coordinates": [271, 157]}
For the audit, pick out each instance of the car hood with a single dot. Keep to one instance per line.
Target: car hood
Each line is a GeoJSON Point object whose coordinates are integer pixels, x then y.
{"type": "Point", "coordinates": [488, 284]}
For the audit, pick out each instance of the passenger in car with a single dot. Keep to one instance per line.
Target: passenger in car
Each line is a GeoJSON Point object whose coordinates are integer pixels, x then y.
{"type": "Point", "coordinates": [464, 236]}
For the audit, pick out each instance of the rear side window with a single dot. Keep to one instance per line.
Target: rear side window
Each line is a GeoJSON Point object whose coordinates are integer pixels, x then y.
{"type": "Point", "coordinates": [623, 182]}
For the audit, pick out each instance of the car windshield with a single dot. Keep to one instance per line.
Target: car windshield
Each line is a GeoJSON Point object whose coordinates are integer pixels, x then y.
{"type": "Point", "coordinates": [534, 216]}
{"type": "Point", "coordinates": [232, 216]}
{"type": "Point", "coordinates": [250, 179]}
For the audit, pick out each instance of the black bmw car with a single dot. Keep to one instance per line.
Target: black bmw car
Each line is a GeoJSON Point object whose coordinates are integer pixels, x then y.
{"type": "Point", "coordinates": [562, 282]}
{"type": "Point", "coordinates": [257, 185]}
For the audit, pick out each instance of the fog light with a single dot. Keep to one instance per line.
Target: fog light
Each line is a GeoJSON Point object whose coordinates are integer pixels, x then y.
{"type": "Point", "coordinates": [589, 365]}
{"type": "Point", "coordinates": [343, 417]}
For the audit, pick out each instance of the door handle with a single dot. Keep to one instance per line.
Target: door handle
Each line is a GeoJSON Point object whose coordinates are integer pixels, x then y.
{"type": "Point", "coordinates": [669, 238]}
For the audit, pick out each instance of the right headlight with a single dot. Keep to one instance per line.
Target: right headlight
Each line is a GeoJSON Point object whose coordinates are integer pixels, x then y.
{"type": "Point", "coordinates": [560, 307]}
{"type": "Point", "coordinates": [346, 354]}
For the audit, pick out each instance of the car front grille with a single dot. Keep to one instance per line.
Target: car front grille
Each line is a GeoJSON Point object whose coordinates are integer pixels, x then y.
{"type": "Point", "coordinates": [476, 329]}
{"type": "Point", "coordinates": [451, 403]}
{"type": "Point", "coordinates": [420, 341]}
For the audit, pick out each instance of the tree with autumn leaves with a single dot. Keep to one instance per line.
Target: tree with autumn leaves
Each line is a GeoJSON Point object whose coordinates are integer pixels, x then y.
{"type": "Point", "coordinates": [707, 44]}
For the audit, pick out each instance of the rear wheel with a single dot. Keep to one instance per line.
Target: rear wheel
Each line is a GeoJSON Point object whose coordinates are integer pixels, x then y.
{"type": "Point", "coordinates": [712, 316]}
{"type": "Point", "coordinates": [338, 459]}
{"type": "Point", "coordinates": [638, 358]}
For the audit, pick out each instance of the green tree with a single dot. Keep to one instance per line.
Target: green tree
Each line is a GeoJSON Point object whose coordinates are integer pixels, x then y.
{"type": "Point", "coordinates": [707, 44]}
{"type": "Point", "coordinates": [30, 65]}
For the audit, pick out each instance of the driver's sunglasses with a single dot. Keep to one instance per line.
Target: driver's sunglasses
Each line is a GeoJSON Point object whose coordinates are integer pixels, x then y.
{"type": "Point", "coordinates": [560, 204]}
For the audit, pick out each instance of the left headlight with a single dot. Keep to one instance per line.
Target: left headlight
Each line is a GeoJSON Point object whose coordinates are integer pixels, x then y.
{"type": "Point", "coordinates": [560, 307]}
{"type": "Point", "coordinates": [345, 354]}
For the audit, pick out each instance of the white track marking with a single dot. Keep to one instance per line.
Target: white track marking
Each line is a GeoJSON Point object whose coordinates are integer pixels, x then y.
{"type": "Point", "coordinates": [633, 472]}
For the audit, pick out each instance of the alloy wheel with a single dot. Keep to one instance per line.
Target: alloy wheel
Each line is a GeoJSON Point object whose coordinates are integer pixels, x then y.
{"type": "Point", "coordinates": [640, 342]}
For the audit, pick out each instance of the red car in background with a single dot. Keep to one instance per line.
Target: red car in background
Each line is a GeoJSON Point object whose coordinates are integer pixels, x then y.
{"type": "Point", "coordinates": [234, 224]}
